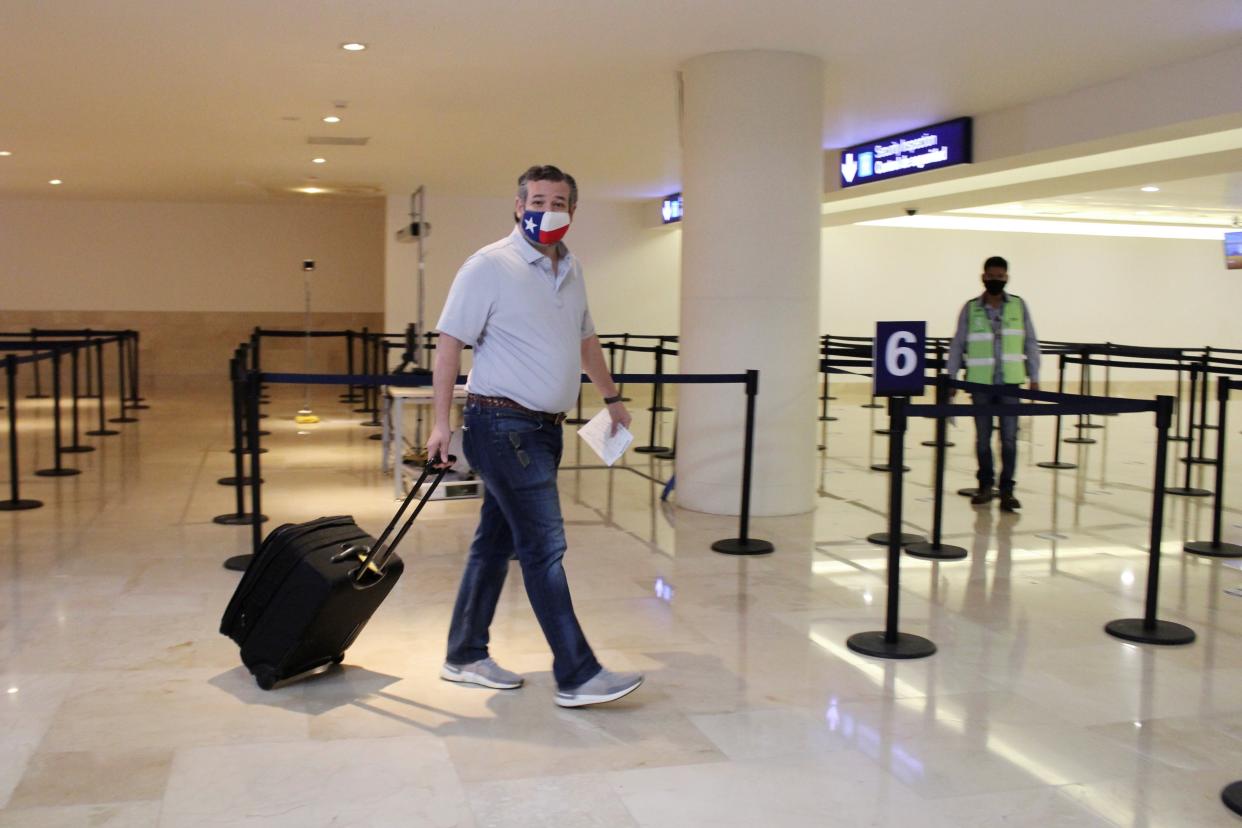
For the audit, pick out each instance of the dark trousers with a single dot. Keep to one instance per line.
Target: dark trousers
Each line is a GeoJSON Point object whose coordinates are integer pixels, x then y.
{"type": "Point", "coordinates": [517, 455]}
{"type": "Point", "coordinates": [1008, 435]}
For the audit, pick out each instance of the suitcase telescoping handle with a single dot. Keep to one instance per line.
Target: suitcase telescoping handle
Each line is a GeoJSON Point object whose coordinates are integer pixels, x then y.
{"type": "Point", "coordinates": [373, 562]}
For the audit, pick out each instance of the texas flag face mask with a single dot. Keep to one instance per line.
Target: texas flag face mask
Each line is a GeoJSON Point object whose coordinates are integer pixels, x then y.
{"type": "Point", "coordinates": [545, 228]}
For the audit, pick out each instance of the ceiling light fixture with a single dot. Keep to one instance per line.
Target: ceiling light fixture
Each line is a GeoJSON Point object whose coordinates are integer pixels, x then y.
{"type": "Point", "coordinates": [5, 153]}
{"type": "Point", "coordinates": [1151, 189]}
{"type": "Point", "coordinates": [332, 119]}
{"type": "Point", "coordinates": [319, 160]}
{"type": "Point", "coordinates": [55, 181]}
{"type": "Point", "coordinates": [354, 47]}
{"type": "Point", "coordinates": [311, 190]}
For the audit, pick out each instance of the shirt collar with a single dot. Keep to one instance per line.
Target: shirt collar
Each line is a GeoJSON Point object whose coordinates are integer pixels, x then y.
{"type": "Point", "coordinates": [529, 252]}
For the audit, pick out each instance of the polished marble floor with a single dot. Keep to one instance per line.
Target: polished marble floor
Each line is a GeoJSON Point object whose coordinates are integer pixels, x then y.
{"type": "Point", "coordinates": [121, 705]}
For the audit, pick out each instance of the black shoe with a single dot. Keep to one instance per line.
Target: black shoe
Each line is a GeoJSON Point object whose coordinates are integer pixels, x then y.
{"type": "Point", "coordinates": [1009, 503]}
{"type": "Point", "coordinates": [982, 497]}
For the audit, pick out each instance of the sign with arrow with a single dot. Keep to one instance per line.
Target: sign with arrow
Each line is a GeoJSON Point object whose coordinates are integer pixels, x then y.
{"type": "Point", "coordinates": [919, 150]}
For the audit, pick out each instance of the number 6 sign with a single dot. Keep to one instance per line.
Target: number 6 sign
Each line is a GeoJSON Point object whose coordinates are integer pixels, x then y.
{"type": "Point", "coordinates": [898, 359]}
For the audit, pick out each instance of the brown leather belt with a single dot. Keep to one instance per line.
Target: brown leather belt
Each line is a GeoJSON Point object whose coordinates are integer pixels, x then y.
{"type": "Point", "coordinates": [505, 402]}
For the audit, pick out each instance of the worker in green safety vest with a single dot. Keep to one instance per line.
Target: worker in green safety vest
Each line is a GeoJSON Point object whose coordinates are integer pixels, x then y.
{"type": "Point", "coordinates": [996, 343]}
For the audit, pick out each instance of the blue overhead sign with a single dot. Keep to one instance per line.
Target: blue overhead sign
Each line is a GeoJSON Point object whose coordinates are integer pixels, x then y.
{"type": "Point", "coordinates": [927, 148]}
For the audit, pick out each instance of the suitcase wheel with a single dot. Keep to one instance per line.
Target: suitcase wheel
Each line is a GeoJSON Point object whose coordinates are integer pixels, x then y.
{"type": "Point", "coordinates": [338, 658]}
{"type": "Point", "coordinates": [265, 677]}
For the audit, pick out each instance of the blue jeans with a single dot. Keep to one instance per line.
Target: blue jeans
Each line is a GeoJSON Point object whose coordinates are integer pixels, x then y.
{"type": "Point", "coordinates": [1009, 440]}
{"type": "Point", "coordinates": [517, 455]}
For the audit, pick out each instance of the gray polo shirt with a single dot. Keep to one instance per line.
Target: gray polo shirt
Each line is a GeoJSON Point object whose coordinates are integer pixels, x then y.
{"type": "Point", "coordinates": [525, 323]}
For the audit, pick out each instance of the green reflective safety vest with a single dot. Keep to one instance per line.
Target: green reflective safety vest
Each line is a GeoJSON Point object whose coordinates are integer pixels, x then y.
{"type": "Point", "coordinates": [980, 353]}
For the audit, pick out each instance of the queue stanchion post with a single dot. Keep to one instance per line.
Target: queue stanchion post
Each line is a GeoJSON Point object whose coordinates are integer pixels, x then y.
{"type": "Point", "coordinates": [940, 440]}
{"type": "Point", "coordinates": [372, 389]}
{"type": "Point", "coordinates": [59, 469]}
{"type": "Point", "coordinates": [890, 642]}
{"type": "Point", "coordinates": [92, 390]}
{"type": "Point", "coordinates": [657, 392]}
{"type": "Point", "coordinates": [120, 395]}
{"type": "Point", "coordinates": [625, 350]}
{"type": "Point", "coordinates": [103, 430]}
{"type": "Point", "coordinates": [351, 394]}
{"type": "Point", "coordinates": [15, 503]}
{"type": "Point", "coordinates": [1150, 629]}
{"type": "Point", "coordinates": [1177, 436]}
{"type": "Point", "coordinates": [1108, 375]}
{"type": "Point", "coordinates": [366, 367]}
{"type": "Point", "coordinates": [38, 380]}
{"type": "Point", "coordinates": [251, 390]}
{"type": "Point", "coordinates": [652, 447]}
{"type": "Point", "coordinates": [825, 395]}
{"type": "Point", "coordinates": [77, 447]}
{"type": "Point", "coordinates": [577, 419]}
{"type": "Point", "coordinates": [744, 544]}
{"type": "Point", "coordinates": [1083, 371]}
{"type": "Point", "coordinates": [1090, 387]}
{"type": "Point", "coordinates": [896, 452]}
{"type": "Point", "coordinates": [1217, 548]}
{"type": "Point", "coordinates": [239, 480]}
{"type": "Point", "coordinates": [255, 351]}
{"type": "Point", "coordinates": [1187, 490]}
{"type": "Point", "coordinates": [1056, 462]}
{"type": "Point", "coordinates": [1202, 424]}
{"type": "Point", "coordinates": [935, 550]}
{"type": "Point", "coordinates": [135, 348]}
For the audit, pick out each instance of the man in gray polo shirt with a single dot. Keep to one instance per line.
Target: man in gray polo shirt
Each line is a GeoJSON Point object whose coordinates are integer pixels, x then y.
{"type": "Point", "coordinates": [521, 304]}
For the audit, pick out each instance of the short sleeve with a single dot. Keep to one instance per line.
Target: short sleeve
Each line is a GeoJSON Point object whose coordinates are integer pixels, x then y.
{"type": "Point", "coordinates": [588, 324]}
{"type": "Point", "coordinates": [469, 303]}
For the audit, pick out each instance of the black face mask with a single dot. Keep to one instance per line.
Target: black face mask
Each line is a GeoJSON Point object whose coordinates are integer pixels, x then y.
{"type": "Point", "coordinates": [995, 287]}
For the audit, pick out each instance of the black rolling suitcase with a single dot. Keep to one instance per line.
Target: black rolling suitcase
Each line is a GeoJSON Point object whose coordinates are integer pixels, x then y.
{"type": "Point", "coordinates": [312, 587]}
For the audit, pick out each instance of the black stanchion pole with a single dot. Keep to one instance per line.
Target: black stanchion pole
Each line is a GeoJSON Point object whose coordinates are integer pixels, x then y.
{"type": "Point", "coordinates": [1055, 462]}
{"type": "Point", "coordinates": [1086, 418]}
{"type": "Point", "coordinates": [1216, 548]}
{"type": "Point", "coordinates": [935, 550]}
{"type": "Point", "coordinates": [103, 430]}
{"type": "Point", "coordinates": [350, 395]}
{"type": "Point", "coordinates": [252, 426]}
{"type": "Point", "coordinates": [655, 409]}
{"type": "Point", "coordinates": [890, 643]}
{"type": "Point", "coordinates": [15, 503]}
{"type": "Point", "coordinates": [895, 466]}
{"type": "Point", "coordinates": [1084, 370]}
{"type": "Point", "coordinates": [1186, 490]}
{"type": "Point", "coordinates": [1108, 375]}
{"type": "Point", "coordinates": [658, 391]}
{"type": "Point", "coordinates": [625, 350]}
{"type": "Point", "coordinates": [941, 439]}
{"type": "Point", "coordinates": [371, 393]}
{"type": "Point", "coordinates": [744, 544]}
{"type": "Point", "coordinates": [825, 394]}
{"type": "Point", "coordinates": [577, 419]}
{"type": "Point", "coordinates": [91, 391]}
{"type": "Point", "coordinates": [120, 364]}
{"type": "Point", "coordinates": [1149, 629]}
{"type": "Point", "coordinates": [1177, 410]}
{"type": "Point", "coordinates": [38, 382]}
{"type": "Point", "coordinates": [135, 348]}
{"type": "Point", "coordinates": [77, 447]}
{"type": "Point", "coordinates": [1203, 426]}
{"type": "Point", "coordinates": [239, 480]}
{"type": "Point", "coordinates": [366, 368]}
{"type": "Point", "coordinates": [57, 470]}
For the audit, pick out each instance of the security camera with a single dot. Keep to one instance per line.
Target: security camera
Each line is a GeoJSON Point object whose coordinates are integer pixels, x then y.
{"type": "Point", "coordinates": [413, 231]}
{"type": "Point", "coordinates": [912, 211]}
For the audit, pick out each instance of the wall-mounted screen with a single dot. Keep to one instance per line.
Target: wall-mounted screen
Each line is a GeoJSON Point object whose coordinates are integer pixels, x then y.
{"type": "Point", "coordinates": [1233, 250]}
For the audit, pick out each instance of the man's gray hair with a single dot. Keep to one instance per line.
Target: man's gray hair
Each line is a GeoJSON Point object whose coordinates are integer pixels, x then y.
{"type": "Point", "coordinates": [547, 172]}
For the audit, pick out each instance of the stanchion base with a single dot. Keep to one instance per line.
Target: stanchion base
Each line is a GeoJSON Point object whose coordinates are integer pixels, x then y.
{"type": "Point", "coordinates": [883, 467]}
{"type": "Point", "coordinates": [738, 546]}
{"type": "Point", "coordinates": [652, 449]}
{"type": "Point", "coordinates": [102, 432]}
{"type": "Point", "coordinates": [246, 451]}
{"type": "Point", "coordinates": [238, 563]}
{"type": "Point", "coordinates": [375, 436]}
{"type": "Point", "coordinates": [19, 505]}
{"type": "Point", "coordinates": [1199, 461]}
{"type": "Point", "coordinates": [1209, 550]}
{"type": "Point", "coordinates": [1079, 441]}
{"type": "Point", "coordinates": [235, 519]}
{"type": "Point", "coordinates": [930, 552]}
{"type": "Point", "coordinates": [371, 424]}
{"type": "Point", "coordinates": [363, 411]}
{"type": "Point", "coordinates": [666, 455]}
{"type": "Point", "coordinates": [137, 407]}
{"type": "Point", "coordinates": [576, 421]}
{"type": "Point", "coordinates": [877, 644]}
{"type": "Point", "coordinates": [1054, 464]}
{"type": "Point", "coordinates": [907, 539]}
{"type": "Point", "coordinates": [827, 419]}
{"type": "Point", "coordinates": [122, 419]}
{"type": "Point", "coordinates": [1231, 795]}
{"type": "Point", "coordinates": [934, 444]}
{"type": "Point", "coordinates": [264, 433]}
{"type": "Point", "coordinates": [1161, 632]}
{"type": "Point", "coordinates": [232, 481]}
{"type": "Point", "coordinates": [968, 492]}
{"type": "Point", "coordinates": [1091, 425]}
{"type": "Point", "coordinates": [872, 405]}
{"type": "Point", "coordinates": [58, 472]}
{"type": "Point", "coordinates": [38, 396]}
{"type": "Point", "coordinates": [883, 432]}
{"type": "Point", "coordinates": [77, 449]}
{"type": "Point", "coordinates": [1182, 491]}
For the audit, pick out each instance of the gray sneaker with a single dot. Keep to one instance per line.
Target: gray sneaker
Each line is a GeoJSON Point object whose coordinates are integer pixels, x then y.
{"type": "Point", "coordinates": [485, 672]}
{"type": "Point", "coordinates": [605, 687]}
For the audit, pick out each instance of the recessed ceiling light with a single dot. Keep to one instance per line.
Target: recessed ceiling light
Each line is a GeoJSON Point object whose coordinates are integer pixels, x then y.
{"type": "Point", "coordinates": [332, 119]}
{"type": "Point", "coordinates": [1151, 189]}
{"type": "Point", "coordinates": [311, 190]}
{"type": "Point", "coordinates": [353, 47]}
{"type": "Point", "coordinates": [319, 160]}
{"type": "Point", "coordinates": [5, 153]}
{"type": "Point", "coordinates": [55, 181]}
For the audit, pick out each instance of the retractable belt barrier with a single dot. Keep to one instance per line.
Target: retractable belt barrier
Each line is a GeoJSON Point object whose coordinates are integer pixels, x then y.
{"type": "Point", "coordinates": [248, 384]}
{"type": "Point", "coordinates": [891, 642]}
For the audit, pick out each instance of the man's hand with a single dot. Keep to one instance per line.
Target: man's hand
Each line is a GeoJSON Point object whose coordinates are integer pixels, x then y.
{"type": "Point", "coordinates": [438, 447]}
{"type": "Point", "coordinates": [620, 417]}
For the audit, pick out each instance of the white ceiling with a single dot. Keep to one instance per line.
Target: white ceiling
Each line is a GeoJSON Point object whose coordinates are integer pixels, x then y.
{"type": "Point", "coordinates": [171, 99]}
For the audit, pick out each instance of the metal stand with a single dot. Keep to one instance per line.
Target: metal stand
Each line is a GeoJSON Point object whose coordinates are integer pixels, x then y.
{"type": "Point", "coordinates": [57, 470]}
{"type": "Point", "coordinates": [15, 503]}
{"type": "Point", "coordinates": [351, 395]}
{"type": "Point", "coordinates": [120, 365]}
{"type": "Point", "coordinates": [577, 419]}
{"type": "Point", "coordinates": [936, 551]}
{"type": "Point", "coordinates": [1149, 629]}
{"type": "Point", "coordinates": [38, 386]}
{"type": "Point", "coordinates": [239, 480]}
{"type": "Point", "coordinates": [1056, 462]}
{"type": "Point", "coordinates": [103, 430]}
{"type": "Point", "coordinates": [135, 400]}
{"type": "Point", "coordinates": [1216, 548]}
{"type": "Point", "coordinates": [890, 643]}
{"type": "Point", "coordinates": [1186, 490]}
{"type": "Point", "coordinates": [77, 447]}
{"type": "Point", "coordinates": [744, 544]}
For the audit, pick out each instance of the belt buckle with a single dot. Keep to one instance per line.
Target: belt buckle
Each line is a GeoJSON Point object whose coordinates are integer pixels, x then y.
{"type": "Point", "coordinates": [558, 418]}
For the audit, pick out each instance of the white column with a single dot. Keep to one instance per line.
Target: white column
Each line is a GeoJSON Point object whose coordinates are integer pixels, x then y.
{"type": "Point", "coordinates": [753, 185]}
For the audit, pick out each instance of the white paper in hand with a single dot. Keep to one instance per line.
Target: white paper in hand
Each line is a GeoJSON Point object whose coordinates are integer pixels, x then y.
{"type": "Point", "coordinates": [598, 435]}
